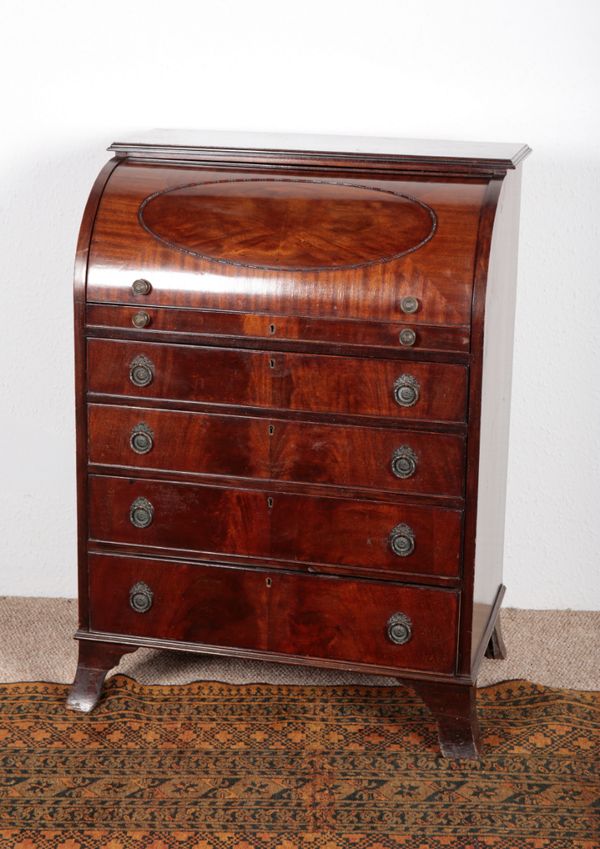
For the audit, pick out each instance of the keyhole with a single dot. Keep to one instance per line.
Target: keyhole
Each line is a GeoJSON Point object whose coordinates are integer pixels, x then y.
{"type": "Point", "coordinates": [268, 582]}
{"type": "Point", "coordinates": [271, 430]}
{"type": "Point", "coordinates": [269, 502]}
{"type": "Point", "coordinates": [272, 329]}
{"type": "Point", "coordinates": [271, 363]}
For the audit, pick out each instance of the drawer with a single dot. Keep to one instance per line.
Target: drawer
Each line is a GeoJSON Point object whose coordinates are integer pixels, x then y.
{"type": "Point", "coordinates": [334, 533]}
{"type": "Point", "coordinates": [305, 616]}
{"type": "Point", "coordinates": [276, 328]}
{"type": "Point", "coordinates": [277, 449]}
{"type": "Point", "coordinates": [284, 381]}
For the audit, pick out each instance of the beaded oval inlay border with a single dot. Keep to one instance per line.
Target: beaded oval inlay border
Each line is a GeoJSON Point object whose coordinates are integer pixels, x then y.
{"type": "Point", "coordinates": [176, 245]}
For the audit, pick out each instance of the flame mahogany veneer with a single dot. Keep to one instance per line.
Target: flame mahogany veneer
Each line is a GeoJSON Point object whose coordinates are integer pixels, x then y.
{"type": "Point", "coordinates": [293, 363]}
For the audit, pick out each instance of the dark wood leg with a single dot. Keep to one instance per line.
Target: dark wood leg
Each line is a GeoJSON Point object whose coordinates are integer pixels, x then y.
{"type": "Point", "coordinates": [496, 648]}
{"type": "Point", "coordinates": [95, 660]}
{"type": "Point", "coordinates": [454, 708]}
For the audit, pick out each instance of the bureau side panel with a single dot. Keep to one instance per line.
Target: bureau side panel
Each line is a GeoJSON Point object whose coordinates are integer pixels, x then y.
{"type": "Point", "coordinates": [79, 298]}
{"type": "Point", "coordinates": [496, 383]}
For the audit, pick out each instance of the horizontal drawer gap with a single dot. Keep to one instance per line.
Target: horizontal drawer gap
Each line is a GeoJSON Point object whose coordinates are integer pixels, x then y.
{"type": "Point", "coordinates": [408, 500]}
{"type": "Point", "coordinates": [277, 485]}
{"type": "Point", "coordinates": [283, 344]}
{"type": "Point", "coordinates": [401, 318]}
{"type": "Point", "coordinates": [166, 556]}
{"type": "Point", "coordinates": [265, 412]}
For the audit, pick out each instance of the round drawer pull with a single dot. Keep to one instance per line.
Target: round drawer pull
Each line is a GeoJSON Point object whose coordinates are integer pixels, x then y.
{"type": "Point", "coordinates": [141, 287]}
{"type": "Point", "coordinates": [141, 438]}
{"type": "Point", "coordinates": [402, 540]}
{"type": "Point", "coordinates": [399, 628]}
{"type": "Point", "coordinates": [141, 597]}
{"type": "Point", "coordinates": [142, 319]}
{"type": "Point", "coordinates": [407, 337]}
{"type": "Point", "coordinates": [406, 390]}
{"type": "Point", "coordinates": [141, 513]}
{"type": "Point", "coordinates": [141, 371]}
{"type": "Point", "coordinates": [404, 462]}
{"type": "Point", "coordinates": [409, 304]}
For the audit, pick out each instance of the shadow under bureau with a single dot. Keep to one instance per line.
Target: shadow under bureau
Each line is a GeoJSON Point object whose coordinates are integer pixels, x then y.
{"type": "Point", "coordinates": [293, 364]}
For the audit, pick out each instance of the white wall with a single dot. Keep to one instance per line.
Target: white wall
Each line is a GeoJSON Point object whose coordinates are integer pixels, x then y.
{"type": "Point", "coordinates": [75, 75]}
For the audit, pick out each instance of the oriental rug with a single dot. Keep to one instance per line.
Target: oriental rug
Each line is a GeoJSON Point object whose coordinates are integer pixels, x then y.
{"type": "Point", "coordinates": [256, 766]}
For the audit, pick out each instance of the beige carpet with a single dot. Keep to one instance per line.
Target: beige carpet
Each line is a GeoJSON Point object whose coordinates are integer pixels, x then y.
{"type": "Point", "coordinates": [554, 648]}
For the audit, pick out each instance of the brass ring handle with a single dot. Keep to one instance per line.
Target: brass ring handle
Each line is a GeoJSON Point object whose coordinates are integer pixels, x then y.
{"type": "Point", "coordinates": [141, 513]}
{"type": "Point", "coordinates": [402, 540]}
{"type": "Point", "coordinates": [404, 462]}
{"type": "Point", "coordinates": [141, 597]}
{"type": "Point", "coordinates": [399, 628]}
{"type": "Point", "coordinates": [141, 371]}
{"type": "Point", "coordinates": [141, 438]}
{"type": "Point", "coordinates": [406, 390]}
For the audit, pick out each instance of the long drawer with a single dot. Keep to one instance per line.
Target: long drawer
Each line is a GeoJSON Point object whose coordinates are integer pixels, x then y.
{"type": "Point", "coordinates": [303, 615]}
{"type": "Point", "coordinates": [281, 381]}
{"type": "Point", "coordinates": [331, 533]}
{"type": "Point", "coordinates": [276, 449]}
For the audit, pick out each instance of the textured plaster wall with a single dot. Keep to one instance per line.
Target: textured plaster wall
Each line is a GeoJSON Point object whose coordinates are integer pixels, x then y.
{"type": "Point", "coordinates": [75, 75]}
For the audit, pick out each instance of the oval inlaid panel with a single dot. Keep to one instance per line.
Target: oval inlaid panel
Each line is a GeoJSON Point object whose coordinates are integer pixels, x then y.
{"type": "Point", "coordinates": [286, 224]}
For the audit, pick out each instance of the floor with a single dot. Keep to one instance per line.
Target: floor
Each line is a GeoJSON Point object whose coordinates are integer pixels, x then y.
{"type": "Point", "coordinates": [554, 648]}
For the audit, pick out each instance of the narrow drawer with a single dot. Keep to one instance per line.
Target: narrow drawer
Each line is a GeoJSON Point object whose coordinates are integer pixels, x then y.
{"type": "Point", "coordinates": [276, 449]}
{"type": "Point", "coordinates": [339, 533]}
{"type": "Point", "coordinates": [284, 381]}
{"type": "Point", "coordinates": [395, 336]}
{"type": "Point", "coordinates": [305, 616]}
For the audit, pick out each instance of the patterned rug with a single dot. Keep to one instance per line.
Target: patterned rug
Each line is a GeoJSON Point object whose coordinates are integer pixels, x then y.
{"type": "Point", "coordinates": [255, 766]}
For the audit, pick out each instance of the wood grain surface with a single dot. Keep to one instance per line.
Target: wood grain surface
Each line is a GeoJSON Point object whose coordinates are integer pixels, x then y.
{"type": "Point", "coordinates": [345, 533]}
{"type": "Point", "coordinates": [305, 615]}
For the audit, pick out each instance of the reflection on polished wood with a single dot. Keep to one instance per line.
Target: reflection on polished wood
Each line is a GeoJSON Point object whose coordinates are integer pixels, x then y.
{"type": "Point", "coordinates": [439, 274]}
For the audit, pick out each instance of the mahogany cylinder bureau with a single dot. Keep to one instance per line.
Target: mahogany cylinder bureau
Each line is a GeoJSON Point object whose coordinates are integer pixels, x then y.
{"type": "Point", "coordinates": [293, 364]}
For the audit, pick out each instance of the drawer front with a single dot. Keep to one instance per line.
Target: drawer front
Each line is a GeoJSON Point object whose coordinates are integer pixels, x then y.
{"type": "Point", "coordinates": [276, 449]}
{"type": "Point", "coordinates": [303, 615]}
{"type": "Point", "coordinates": [337, 533]}
{"type": "Point", "coordinates": [284, 381]}
{"type": "Point", "coordinates": [227, 325]}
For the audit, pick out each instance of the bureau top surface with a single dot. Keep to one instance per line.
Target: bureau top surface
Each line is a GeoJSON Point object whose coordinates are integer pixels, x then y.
{"type": "Point", "coordinates": [203, 144]}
